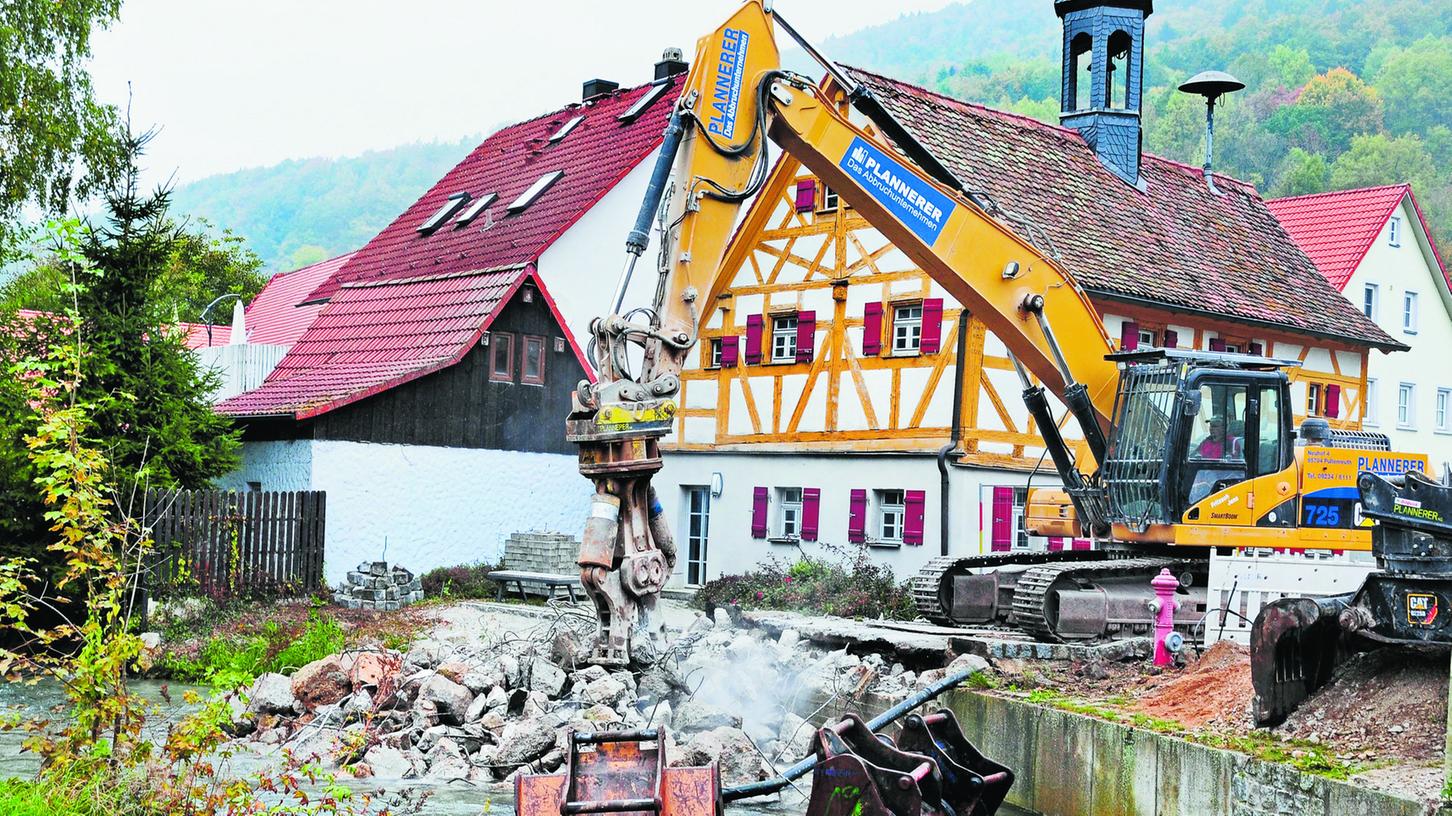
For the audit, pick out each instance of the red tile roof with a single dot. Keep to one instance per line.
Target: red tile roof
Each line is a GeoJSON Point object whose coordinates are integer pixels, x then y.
{"type": "Point", "coordinates": [277, 315]}
{"type": "Point", "coordinates": [375, 335]}
{"type": "Point", "coordinates": [595, 156]}
{"type": "Point", "coordinates": [1338, 229]}
{"type": "Point", "coordinates": [1174, 245]}
{"type": "Point", "coordinates": [199, 338]}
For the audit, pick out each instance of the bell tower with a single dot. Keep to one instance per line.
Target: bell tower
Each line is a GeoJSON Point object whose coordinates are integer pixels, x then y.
{"type": "Point", "coordinates": [1103, 72]}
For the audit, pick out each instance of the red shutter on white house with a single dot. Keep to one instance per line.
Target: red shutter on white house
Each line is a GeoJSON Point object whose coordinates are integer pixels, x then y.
{"type": "Point", "coordinates": [806, 196]}
{"type": "Point", "coordinates": [1333, 401]}
{"type": "Point", "coordinates": [1257, 349]}
{"type": "Point", "coordinates": [806, 336]}
{"type": "Point", "coordinates": [755, 327]}
{"type": "Point", "coordinates": [811, 512]}
{"type": "Point", "coordinates": [916, 502]}
{"type": "Point", "coordinates": [1002, 535]}
{"type": "Point", "coordinates": [1172, 339]}
{"type": "Point", "coordinates": [872, 329]}
{"type": "Point", "coordinates": [730, 349]}
{"type": "Point", "coordinates": [758, 512]}
{"type": "Point", "coordinates": [857, 517]}
{"type": "Point", "coordinates": [1129, 336]}
{"type": "Point", "coordinates": [932, 326]}
{"type": "Point", "coordinates": [1217, 344]}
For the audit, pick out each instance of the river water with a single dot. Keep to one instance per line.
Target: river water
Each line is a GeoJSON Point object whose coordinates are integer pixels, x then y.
{"type": "Point", "coordinates": [45, 700]}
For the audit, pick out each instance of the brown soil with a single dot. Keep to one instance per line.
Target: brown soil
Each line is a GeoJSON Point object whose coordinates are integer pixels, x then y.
{"type": "Point", "coordinates": [1214, 690]}
{"type": "Point", "coordinates": [1383, 704]}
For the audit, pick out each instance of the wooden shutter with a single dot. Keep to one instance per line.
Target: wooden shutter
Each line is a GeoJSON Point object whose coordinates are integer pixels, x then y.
{"type": "Point", "coordinates": [872, 329]}
{"type": "Point", "coordinates": [811, 511]}
{"type": "Point", "coordinates": [1333, 401]}
{"type": "Point", "coordinates": [857, 517]}
{"type": "Point", "coordinates": [806, 336]}
{"type": "Point", "coordinates": [932, 326]}
{"type": "Point", "coordinates": [1217, 344]}
{"type": "Point", "coordinates": [1257, 349]}
{"type": "Point", "coordinates": [755, 326]}
{"type": "Point", "coordinates": [1002, 531]}
{"type": "Point", "coordinates": [1129, 336]}
{"type": "Point", "coordinates": [1172, 339]}
{"type": "Point", "coordinates": [912, 525]}
{"type": "Point", "coordinates": [730, 348]}
{"type": "Point", "coordinates": [806, 197]}
{"type": "Point", "coordinates": [758, 512]}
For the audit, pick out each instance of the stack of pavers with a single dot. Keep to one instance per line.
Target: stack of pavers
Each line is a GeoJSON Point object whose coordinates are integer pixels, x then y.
{"type": "Point", "coordinates": [374, 586]}
{"type": "Point", "coordinates": [542, 552]}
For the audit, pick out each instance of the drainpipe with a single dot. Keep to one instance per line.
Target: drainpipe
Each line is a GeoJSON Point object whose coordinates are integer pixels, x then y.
{"type": "Point", "coordinates": [957, 434]}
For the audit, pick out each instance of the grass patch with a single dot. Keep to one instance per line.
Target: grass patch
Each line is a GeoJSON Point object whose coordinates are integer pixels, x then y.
{"type": "Point", "coordinates": [236, 658]}
{"type": "Point", "coordinates": [847, 584]}
{"type": "Point", "coordinates": [90, 795]}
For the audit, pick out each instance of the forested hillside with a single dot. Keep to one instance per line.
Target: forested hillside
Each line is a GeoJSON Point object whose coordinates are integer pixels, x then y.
{"type": "Point", "coordinates": [1342, 93]}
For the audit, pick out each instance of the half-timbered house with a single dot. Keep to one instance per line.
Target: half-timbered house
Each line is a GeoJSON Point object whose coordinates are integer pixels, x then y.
{"type": "Point", "coordinates": [842, 398]}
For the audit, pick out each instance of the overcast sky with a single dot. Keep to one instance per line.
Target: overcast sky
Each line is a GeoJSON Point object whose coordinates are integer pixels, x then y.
{"type": "Point", "coordinates": [235, 85]}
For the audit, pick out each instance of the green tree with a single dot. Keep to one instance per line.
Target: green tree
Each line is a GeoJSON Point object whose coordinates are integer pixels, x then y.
{"type": "Point", "coordinates": [1332, 109]}
{"type": "Point", "coordinates": [1302, 173]}
{"type": "Point", "coordinates": [55, 138]}
{"type": "Point", "coordinates": [204, 266]}
{"type": "Point", "coordinates": [1380, 159]}
{"type": "Point", "coordinates": [1416, 83]}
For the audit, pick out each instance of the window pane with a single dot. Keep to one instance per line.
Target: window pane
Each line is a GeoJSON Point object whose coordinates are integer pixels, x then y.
{"type": "Point", "coordinates": [1269, 454]}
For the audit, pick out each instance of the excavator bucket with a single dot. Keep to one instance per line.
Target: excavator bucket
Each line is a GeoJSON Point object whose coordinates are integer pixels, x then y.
{"type": "Point", "coordinates": [973, 784]}
{"type": "Point", "coordinates": [620, 772]}
{"type": "Point", "coordinates": [1295, 645]}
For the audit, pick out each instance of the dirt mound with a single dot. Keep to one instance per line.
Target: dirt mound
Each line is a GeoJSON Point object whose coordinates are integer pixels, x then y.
{"type": "Point", "coordinates": [1214, 690]}
{"type": "Point", "coordinates": [1388, 703]}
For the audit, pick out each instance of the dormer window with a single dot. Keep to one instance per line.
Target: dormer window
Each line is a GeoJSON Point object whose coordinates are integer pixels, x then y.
{"type": "Point", "coordinates": [644, 102]}
{"type": "Point", "coordinates": [454, 203]}
{"type": "Point", "coordinates": [473, 210]}
{"type": "Point", "coordinates": [536, 190]}
{"type": "Point", "coordinates": [566, 128]}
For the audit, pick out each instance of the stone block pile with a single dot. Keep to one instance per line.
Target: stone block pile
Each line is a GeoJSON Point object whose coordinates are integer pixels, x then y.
{"type": "Point", "coordinates": [542, 552]}
{"type": "Point", "coordinates": [374, 585]}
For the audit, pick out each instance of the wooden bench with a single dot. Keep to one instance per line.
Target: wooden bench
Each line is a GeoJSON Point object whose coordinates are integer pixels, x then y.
{"type": "Point", "coordinates": [550, 580]}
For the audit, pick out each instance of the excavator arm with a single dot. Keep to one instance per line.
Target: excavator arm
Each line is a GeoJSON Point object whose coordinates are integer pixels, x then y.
{"type": "Point", "coordinates": [714, 159]}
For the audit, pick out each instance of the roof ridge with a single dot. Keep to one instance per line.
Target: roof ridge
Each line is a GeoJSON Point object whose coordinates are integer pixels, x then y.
{"type": "Point", "coordinates": [576, 106]}
{"type": "Point", "coordinates": [377, 282]}
{"type": "Point", "coordinates": [1404, 186]}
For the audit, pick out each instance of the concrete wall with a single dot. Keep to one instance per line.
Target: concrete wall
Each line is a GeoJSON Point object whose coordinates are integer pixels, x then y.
{"type": "Point", "coordinates": [1396, 271]}
{"type": "Point", "coordinates": [430, 506]}
{"type": "Point", "coordinates": [1070, 765]}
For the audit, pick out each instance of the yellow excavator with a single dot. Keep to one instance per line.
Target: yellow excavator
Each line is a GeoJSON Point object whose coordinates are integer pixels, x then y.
{"type": "Point", "coordinates": [1185, 451]}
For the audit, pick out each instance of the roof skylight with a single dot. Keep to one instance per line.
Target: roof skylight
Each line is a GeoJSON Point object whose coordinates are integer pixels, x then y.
{"type": "Point", "coordinates": [644, 102]}
{"type": "Point", "coordinates": [537, 189]}
{"type": "Point", "coordinates": [474, 209]}
{"type": "Point", "coordinates": [566, 128]}
{"type": "Point", "coordinates": [443, 214]}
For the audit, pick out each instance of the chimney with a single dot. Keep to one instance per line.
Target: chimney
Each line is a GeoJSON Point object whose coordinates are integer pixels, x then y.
{"type": "Point", "coordinates": [597, 87]}
{"type": "Point", "coordinates": [672, 62]}
{"type": "Point", "coordinates": [1103, 71]}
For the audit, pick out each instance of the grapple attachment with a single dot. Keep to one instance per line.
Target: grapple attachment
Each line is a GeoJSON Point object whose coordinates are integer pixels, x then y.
{"type": "Point", "coordinates": [973, 784]}
{"type": "Point", "coordinates": [620, 772]}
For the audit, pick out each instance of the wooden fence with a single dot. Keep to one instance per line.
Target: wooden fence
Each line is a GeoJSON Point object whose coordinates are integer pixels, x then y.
{"type": "Point", "coordinates": [226, 543]}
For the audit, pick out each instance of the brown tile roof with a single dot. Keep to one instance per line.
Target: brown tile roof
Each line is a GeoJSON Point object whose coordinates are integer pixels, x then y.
{"type": "Point", "coordinates": [1174, 245]}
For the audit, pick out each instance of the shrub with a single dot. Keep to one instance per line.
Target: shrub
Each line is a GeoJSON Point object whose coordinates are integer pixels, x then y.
{"type": "Point", "coordinates": [235, 660]}
{"type": "Point", "coordinates": [461, 581]}
{"type": "Point", "coordinates": [844, 583]}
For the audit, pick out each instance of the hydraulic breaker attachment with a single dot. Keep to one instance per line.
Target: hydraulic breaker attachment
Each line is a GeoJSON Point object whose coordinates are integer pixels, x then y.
{"type": "Point", "coordinates": [619, 772]}
{"type": "Point", "coordinates": [973, 784]}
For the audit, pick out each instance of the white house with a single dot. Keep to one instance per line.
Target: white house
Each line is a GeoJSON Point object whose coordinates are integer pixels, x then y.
{"type": "Point", "coordinates": [1374, 246]}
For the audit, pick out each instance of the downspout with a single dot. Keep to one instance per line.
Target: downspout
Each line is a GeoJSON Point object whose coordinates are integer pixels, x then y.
{"type": "Point", "coordinates": [957, 434]}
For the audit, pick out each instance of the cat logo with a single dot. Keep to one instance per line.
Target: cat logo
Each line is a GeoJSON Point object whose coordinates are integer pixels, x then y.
{"type": "Point", "coordinates": [1421, 609]}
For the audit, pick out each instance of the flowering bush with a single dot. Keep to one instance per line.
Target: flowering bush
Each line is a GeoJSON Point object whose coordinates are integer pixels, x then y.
{"type": "Point", "coordinates": [847, 583]}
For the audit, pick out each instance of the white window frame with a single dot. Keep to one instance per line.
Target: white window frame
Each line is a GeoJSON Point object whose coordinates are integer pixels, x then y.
{"type": "Point", "coordinates": [784, 338]}
{"type": "Point", "coordinates": [1409, 312]}
{"type": "Point", "coordinates": [891, 515]}
{"type": "Point", "coordinates": [1407, 406]}
{"type": "Point", "coordinates": [1444, 410]}
{"type": "Point", "coordinates": [1371, 300]}
{"type": "Point", "coordinates": [715, 361]}
{"type": "Point", "coordinates": [789, 513]}
{"type": "Point", "coordinates": [1313, 399]}
{"type": "Point", "coordinates": [1147, 338]}
{"type": "Point", "coordinates": [1232, 348]}
{"type": "Point", "coordinates": [831, 202]}
{"type": "Point", "coordinates": [907, 329]}
{"type": "Point", "coordinates": [1394, 232]}
{"type": "Point", "coordinates": [1369, 398]}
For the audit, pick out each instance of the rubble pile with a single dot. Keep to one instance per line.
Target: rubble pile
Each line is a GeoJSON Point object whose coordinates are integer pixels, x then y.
{"type": "Point", "coordinates": [374, 586]}
{"type": "Point", "coordinates": [482, 712]}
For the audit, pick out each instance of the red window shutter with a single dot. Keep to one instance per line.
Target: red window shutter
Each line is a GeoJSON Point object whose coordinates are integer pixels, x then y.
{"type": "Point", "coordinates": [806, 198]}
{"type": "Point", "coordinates": [1129, 336]}
{"type": "Point", "coordinates": [857, 517]}
{"type": "Point", "coordinates": [1002, 534]}
{"type": "Point", "coordinates": [1172, 339]}
{"type": "Point", "coordinates": [872, 329]}
{"type": "Point", "coordinates": [806, 336]}
{"type": "Point", "coordinates": [758, 512]}
{"type": "Point", "coordinates": [730, 348]}
{"type": "Point", "coordinates": [1333, 401]}
{"type": "Point", "coordinates": [754, 328]}
{"type": "Point", "coordinates": [915, 502]}
{"type": "Point", "coordinates": [811, 511]}
{"type": "Point", "coordinates": [1217, 344]}
{"type": "Point", "coordinates": [932, 326]}
{"type": "Point", "coordinates": [1257, 349]}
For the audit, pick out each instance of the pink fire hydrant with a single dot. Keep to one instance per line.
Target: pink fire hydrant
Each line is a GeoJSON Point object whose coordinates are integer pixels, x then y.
{"type": "Point", "coordinates": [1167, 640]}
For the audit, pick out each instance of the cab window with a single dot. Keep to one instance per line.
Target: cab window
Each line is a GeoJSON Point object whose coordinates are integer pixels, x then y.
{"type": "Point", "coordinates": [1270, 447]}
{"type": "Point", "coordinates": [1215, 458]}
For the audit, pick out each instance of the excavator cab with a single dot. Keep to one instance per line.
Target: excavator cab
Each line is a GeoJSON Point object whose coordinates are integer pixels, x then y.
{"type": "Point", "coordinates": [1189, 425]}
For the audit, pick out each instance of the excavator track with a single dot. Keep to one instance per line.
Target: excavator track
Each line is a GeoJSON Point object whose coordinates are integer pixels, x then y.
{"type": "Point", "coordinates": [928, 583]}
{"type": "Point", "coordinates": [1031, 596]}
